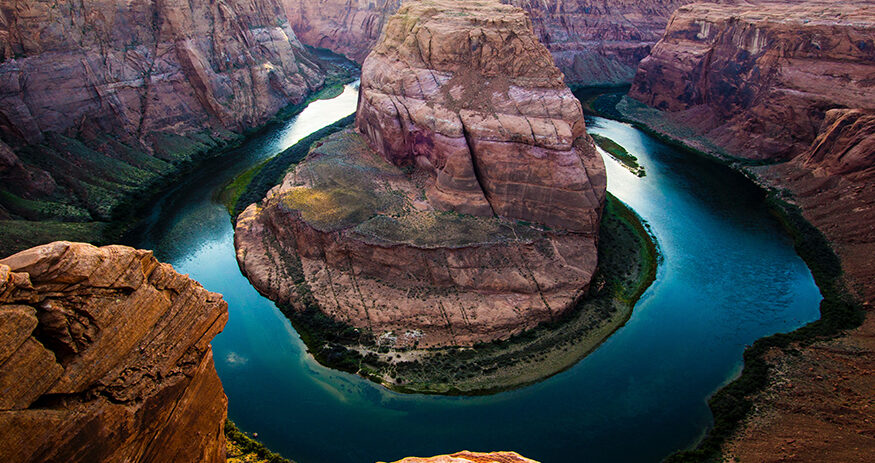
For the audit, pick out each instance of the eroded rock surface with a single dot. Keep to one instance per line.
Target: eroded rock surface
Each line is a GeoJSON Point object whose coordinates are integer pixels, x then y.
{"type": "Point", "coordinates": [592, 41]}
{"type": "Point", "coordinates": [101, 97]}
{"type": "Point", "coordinates": [467, 92]}
{"type": "Point", "coordinates": [105, 356]}
{"type": "Point", "coordinates": [465, 209]}
{"type": "Point", "coordinates": [758, 77]}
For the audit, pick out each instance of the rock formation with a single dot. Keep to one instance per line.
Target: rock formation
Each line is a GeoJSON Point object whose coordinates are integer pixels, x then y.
{"type": "Point", "coordinates": [471, 457]}
{"type": "Point", "coordinates": [105, 356]}
{"type": "Point", "coordinates": [796, 83]}
{"type": "Point", "coordinates": [758, 78]}
{"type": "Point", "coordinates": [467, 207]}
{"type": "Point", "coordinates": [98, 99]}
{"type": "Point", "coordinates": [592, 41]}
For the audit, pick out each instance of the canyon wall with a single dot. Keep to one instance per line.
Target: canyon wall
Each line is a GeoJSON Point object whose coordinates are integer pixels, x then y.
{"type": "Point", "coordinates": [792, 85]}
{"type": "Point", "coordinates": [98, 99]}
{"type": "Point", "coordinates": [464, 209]}
{"type": "Point", "coordinates": [758, 78]}
{"type": "Point", "coordinates": [105, 356]}
{"type": "Point", "coordinates": [593, 42]}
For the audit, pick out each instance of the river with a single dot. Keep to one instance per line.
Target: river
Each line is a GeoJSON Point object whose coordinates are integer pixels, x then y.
{"type": "Point", "coordinates": [729, 275]}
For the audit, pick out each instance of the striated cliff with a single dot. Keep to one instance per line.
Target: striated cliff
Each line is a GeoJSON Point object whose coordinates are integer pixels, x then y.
{"type": "Point", "coordinates": [99, 99]}
{"type": "Point", "coordinates": [105, 356]}
{"type": "Point", "coordinates": [467, 206]}
{"type": "Point", "coordinates": [758, 78]}
{"type": "Point", "coordinates": [593, 42]}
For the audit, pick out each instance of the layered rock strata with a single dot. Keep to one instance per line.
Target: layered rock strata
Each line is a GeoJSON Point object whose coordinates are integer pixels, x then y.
{"type": "Point", "coordinates": [467, 206]}
{"type": "Point", "coordinates": [105, 356]}
{"type": "Point", "coordinates": [592, 41]}
{"type": "Point", "coordinates": [758, 78]}
{"type": "Point", "coordinates": [97, 99]}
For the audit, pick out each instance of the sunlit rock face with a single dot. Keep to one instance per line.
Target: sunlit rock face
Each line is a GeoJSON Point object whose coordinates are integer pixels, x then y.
{"type": "Point", "coordinates": [593, 42]}
{"type": "Point", "coordinates": [105, 356]}
{"type": "Point", "coordinates": [465, 207]}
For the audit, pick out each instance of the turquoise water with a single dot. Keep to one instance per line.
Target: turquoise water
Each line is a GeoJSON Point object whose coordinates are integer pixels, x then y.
{"type": "Point", "coordinates": [729, 276]}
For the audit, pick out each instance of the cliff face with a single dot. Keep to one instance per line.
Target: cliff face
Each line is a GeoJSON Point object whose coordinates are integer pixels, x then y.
{"type": "Point", "coordinates": [471, 96]}
{"type": "Point", "coordinates": [592, 41]}
{"type": "Point", "coordinates": [105, 356]}
{"type": "Point", "coordinates": [467, 206]}
{"type": "Point", "coordinates": [97, 99]}
{"type": "Point", "coordinates": [758, 78]}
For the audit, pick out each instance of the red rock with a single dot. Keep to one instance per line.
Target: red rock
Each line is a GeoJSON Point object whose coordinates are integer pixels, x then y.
{"type": "Point", "coordinates": [135, 69]}
{"type": "Point", "coordinates": [395, 227]}
{"type": "Point", "coordinates": [757, 78]}
{"type": "Point", "coordinates": [105, 356]}
{"type": "Point", "coordinates": [592, 41]}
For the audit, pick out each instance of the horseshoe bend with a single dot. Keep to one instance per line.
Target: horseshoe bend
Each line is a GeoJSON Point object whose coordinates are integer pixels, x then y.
{"type": "Point", "coordinates": [464, 206]}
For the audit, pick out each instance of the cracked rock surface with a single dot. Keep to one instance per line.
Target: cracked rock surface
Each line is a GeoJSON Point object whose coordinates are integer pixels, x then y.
{"type": "Point", "coordinates": [105, 356]}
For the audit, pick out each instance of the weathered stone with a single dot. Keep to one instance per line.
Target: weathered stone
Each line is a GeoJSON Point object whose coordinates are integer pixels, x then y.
{"type": "Point", "coordinates": [593, 42]}
{"type": "Point", "coordinates": [115, 364]}
{"type": "Point", "coordinates": [467, 207]}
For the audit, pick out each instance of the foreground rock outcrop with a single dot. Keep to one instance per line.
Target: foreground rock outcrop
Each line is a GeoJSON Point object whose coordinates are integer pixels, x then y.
{"type": "Point", "coordinates": [467, 206]}
{"type": "Point", "coordinates": [471, 457]}
{"type": "Point", "coordinates": [105, 356]}
{"type": "Point", "coordinates": [776, 81]}
{"type": "Point", "coordinates": [593, 42]}
{"type": "Point", "coordinates": [99, 99]}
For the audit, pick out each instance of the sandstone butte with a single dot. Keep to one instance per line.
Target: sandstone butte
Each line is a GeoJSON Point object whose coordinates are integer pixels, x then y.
{"type": "Point", "coordinates": [97, 98]}
{"type": "Point", "coordinates": [592, 41]}
{"type": "Point", "coordinates": [471, 457]}
{"type": "Point", "coordinates": [105, 356]}
{"type": "Point", "coordinates": [794, 86]}
{"type": "Point", "coordinates": [466, 206]}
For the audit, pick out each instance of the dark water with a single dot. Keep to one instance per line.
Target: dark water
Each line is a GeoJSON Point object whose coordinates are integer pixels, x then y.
{"type": "Point", "coordinates": [729, 276]}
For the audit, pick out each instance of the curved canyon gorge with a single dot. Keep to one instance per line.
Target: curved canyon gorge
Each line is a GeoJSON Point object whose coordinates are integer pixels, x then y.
{"type": "Point", "coordinates": [434, 217]}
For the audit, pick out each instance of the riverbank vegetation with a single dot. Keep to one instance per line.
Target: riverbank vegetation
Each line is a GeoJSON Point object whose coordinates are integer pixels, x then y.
{"type": "Point", "coordinates": [240, 448]}
{"type": "Point", "coordinates": [619, 153]}
{"type": "Point", "coordinates": [839, 311]}
{"type": "Point", "coordinates": [627, 266]}
{"type": "Point", "coordinates": [100, 196]}
{"type": "Point", "coordinates": [253, 184]}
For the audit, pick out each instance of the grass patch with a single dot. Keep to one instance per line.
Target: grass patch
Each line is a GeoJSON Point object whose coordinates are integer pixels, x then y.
{"type": "Point", "coordinates": [242, 448]}
{"type": "Point", "coordinates": [271, 172]}
{"type": "Point", "coordinates": [16, 235]}
{"type": "Point", "coordinates": [619, 153]}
